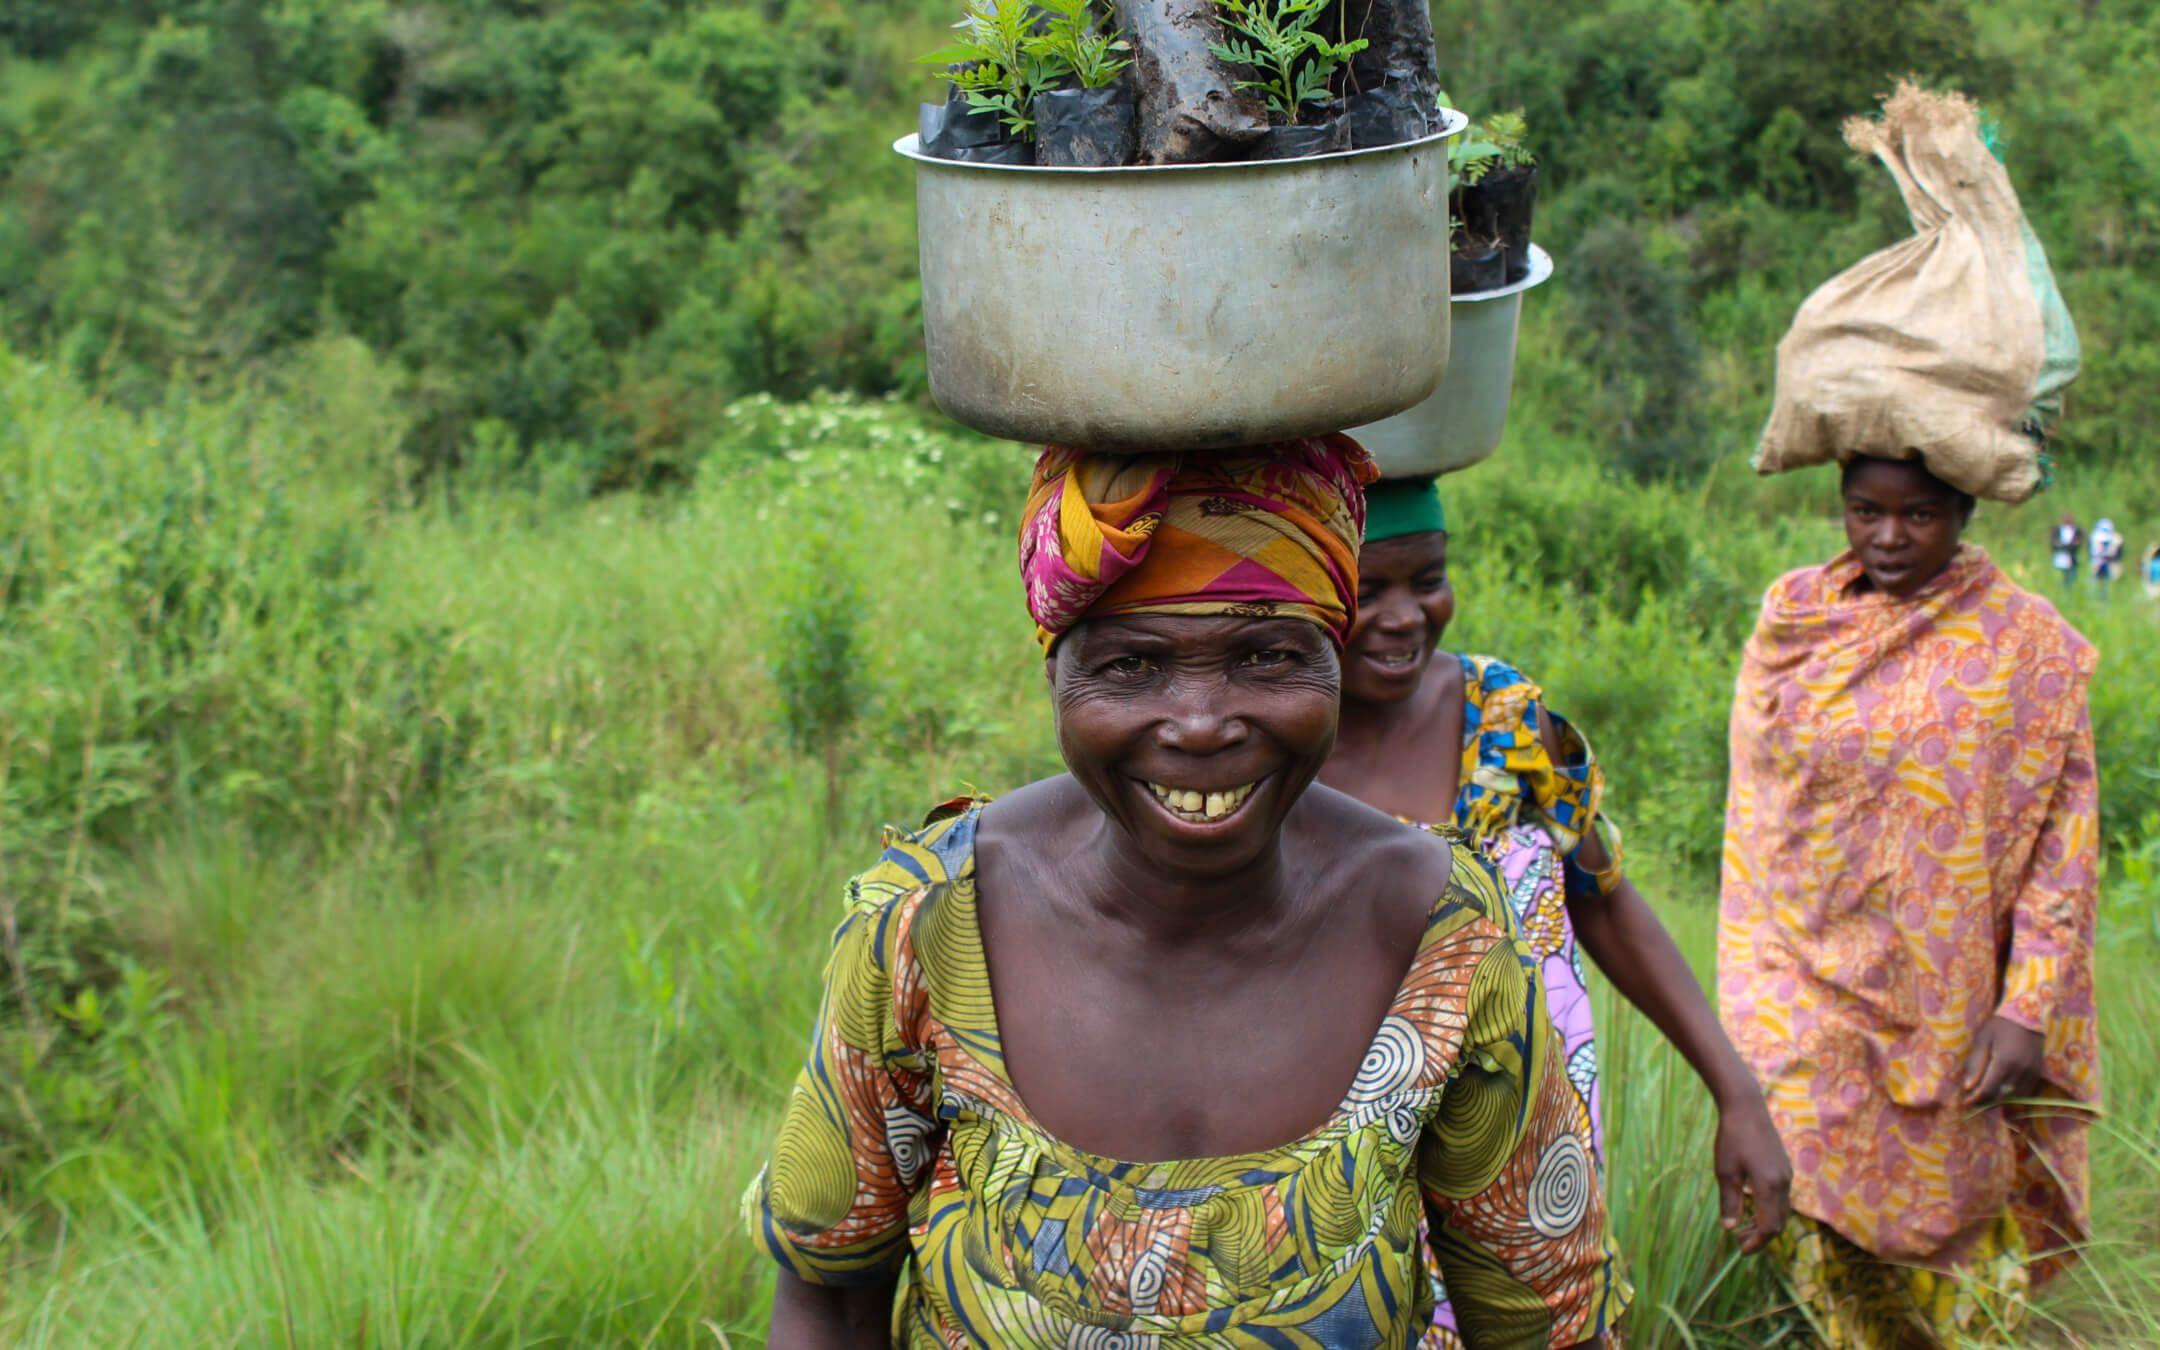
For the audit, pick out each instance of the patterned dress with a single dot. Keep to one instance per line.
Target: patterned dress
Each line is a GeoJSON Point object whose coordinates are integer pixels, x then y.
{"type": "Point", "coordinates": [1528, 812]}
{"type": "Point", "coordinates": [1910, 850]}
{"type": "Point", "coordinates": [905, 1149]}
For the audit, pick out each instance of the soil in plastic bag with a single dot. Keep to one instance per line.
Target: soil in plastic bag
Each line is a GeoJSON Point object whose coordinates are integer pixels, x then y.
{"type": "Point", "coordinates": [1476, 269]}
{"type": "Point", "coordinates": [1511, 197]}
{"type": "Point", "coordinates": [1388, 115]}
{"type": "Point", "coordinates": [1474, 216]}
{"type": "Point", "coordinates": [953, 130]}
{"type": "Point", "coordinates": [1318, 138]}
{"type": "Point", "coordinates": [1191, 109]}
{"type": "Point", "coordinates": [1087, 128]}
{"type": "Point", "coordinates": [1004, 152]}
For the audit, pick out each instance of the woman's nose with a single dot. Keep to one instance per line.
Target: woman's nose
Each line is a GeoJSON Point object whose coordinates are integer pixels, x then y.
{"type": "Point", "coordinates": [1197, 723]}
{"type": "Point", "coordinates": [1396, 616]}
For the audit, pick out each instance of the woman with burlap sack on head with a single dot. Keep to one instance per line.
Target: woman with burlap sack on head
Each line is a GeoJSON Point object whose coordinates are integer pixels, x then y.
{"type": "Point", "coordinates": [1905, 946]}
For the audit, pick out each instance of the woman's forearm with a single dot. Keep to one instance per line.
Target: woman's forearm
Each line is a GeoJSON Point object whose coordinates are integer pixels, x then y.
{"type": "Point", "coordinates": [1623, 936]}
{"type": "Point", "coordinates": [817, 1317]}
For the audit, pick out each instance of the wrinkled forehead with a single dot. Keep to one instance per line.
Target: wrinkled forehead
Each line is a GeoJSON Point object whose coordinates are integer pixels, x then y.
{"type": "Point", "coordinates": [1192, 635]}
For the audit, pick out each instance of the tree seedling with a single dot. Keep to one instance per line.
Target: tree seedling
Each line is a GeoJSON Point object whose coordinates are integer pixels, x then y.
{"type": "Point", "coordinates": [1276, 38]}
{"type": "Point", "coordinates": [998, 63]}
{"type": "Point", "coordinates": [1506, 133]}
{"type": "Point", "coordinates": [1495, 142]}
{"type": "Point", "coordinates": [1071, 37]}
{"type": "Point", "coordinates": [1009, 51]}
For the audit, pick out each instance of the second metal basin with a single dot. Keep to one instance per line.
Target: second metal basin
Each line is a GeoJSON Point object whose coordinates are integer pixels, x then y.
{"type": "Point", "coordinates": [1185, 307]}
{"type": "Point", "coordinates": [1461, 424]}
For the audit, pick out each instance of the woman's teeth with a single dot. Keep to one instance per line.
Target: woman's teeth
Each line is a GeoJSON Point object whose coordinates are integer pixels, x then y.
{"type": "Point", "coordinates": [1191, 804]}
{"type": "Point", "coordinates": [1395, 660]}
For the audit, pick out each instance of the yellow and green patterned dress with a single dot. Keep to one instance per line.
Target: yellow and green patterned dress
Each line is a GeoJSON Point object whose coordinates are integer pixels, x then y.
{"type": "Point", "coordinates": [906, 1152]}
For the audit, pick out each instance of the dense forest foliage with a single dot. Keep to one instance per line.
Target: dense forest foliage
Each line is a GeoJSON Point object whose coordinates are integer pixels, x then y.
{"type": "Point", "coordinates": [573, 230]}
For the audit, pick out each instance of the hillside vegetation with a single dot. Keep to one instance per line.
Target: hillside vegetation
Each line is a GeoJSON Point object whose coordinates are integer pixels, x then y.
{"type": "Point", "coordinates": [575, 229]}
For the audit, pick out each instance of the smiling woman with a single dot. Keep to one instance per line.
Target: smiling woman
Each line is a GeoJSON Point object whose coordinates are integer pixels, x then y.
{"type": "Point", "coordinates": [1429, 735]}
{"type": "Point", "coordinates": [1180, 1047]}
{"type": "Point", "coordinates": [1197, 735]}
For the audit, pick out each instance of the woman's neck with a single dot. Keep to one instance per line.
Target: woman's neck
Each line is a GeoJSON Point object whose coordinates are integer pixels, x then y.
{"type": "Point", "coordinates": [1385, 752]}
{"type": "Point", "coordinates": [1363, 726]}
{"type": "Point", "coordinates": [1238, 909]}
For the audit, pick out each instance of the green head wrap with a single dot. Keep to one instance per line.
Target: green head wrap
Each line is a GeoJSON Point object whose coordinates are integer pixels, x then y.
{"type": "Point", "coordinates": [1395, 507]}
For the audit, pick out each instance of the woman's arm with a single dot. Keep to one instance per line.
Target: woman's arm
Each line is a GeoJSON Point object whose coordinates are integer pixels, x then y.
{"type": "Point", "coordinates": [831, 1209]}
{"type": "Point", "coordinates": [2049, 972]}
{"type": "Point", "coordinates": [1622, 934]}
{"type": "Point", "coordinates": [1516, 1210]}
{"type": "Point", "coordinates": [821, 1317]}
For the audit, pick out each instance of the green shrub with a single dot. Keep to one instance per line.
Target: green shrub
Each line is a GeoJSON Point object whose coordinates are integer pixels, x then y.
{"type": "Point", "coordinates": [817, 664]}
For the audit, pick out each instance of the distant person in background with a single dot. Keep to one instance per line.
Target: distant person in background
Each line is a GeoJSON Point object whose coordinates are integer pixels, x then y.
{"type": "Point", "coordinates": [2152, 572]}
{"type": "Point", "coordinates": [2107, 552]}
{"type": "Point", "coordinates": [1906, 940]}
{"type": "Point", "coordinates": [2064, 541]}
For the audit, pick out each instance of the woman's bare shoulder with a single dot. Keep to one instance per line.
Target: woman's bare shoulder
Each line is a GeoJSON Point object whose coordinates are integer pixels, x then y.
{"type": "Point", "coordinates": [1369, 855]}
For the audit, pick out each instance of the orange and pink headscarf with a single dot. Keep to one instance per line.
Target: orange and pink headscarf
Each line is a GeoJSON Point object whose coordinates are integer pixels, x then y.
{"type": "Point", "coordinates": [1272, 530]}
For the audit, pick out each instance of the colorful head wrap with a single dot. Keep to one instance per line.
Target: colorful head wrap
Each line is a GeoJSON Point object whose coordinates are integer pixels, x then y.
{"type": "Point", "coordinates": [1395, 507]}
{"type": "Point", "coordinates": [1270, 530]}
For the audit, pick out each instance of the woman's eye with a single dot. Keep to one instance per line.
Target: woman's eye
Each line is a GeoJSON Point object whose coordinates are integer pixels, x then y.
{"type": "Point", "coordinates": [1130, 665]}
{"type": "Point", "coordinates": [1923, 517]}
{"type": "Point", "coordinates": [1271, 656]}
{"type": "Point", "coordinates": [1433, 581]}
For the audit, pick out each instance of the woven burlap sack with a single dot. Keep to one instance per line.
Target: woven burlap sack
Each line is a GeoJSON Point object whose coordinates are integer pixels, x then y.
{"type": "Point", "coordinates": [1933, 347]}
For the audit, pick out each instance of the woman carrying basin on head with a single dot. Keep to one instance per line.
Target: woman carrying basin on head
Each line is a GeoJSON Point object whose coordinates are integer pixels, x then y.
{"type": "Point", "coordinates": [1180, 1048]}
{"type": "Point", "coordinates": [1428, 735]}
{"type": "Point", "coordinates": [1905, 954]}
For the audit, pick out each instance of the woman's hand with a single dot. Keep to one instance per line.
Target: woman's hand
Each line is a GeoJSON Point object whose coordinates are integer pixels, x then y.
{"type": "Point", "coordinates": [1624, 937]}
{"type": "Point", "coordinates": [2004, 1063]}
{"type": "Point", "coordinates": [1751, 1162]}
{"type": "Point", "coordinates": [819, 1317]}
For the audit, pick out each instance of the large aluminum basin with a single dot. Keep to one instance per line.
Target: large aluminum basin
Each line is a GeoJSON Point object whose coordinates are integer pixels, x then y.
{"type": "Point", "coordinates": [1185, 307]}
{"type": "Point", "coordinates": [1461, 424]}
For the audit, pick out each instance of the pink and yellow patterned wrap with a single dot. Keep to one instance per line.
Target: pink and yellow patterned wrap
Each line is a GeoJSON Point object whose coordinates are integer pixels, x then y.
{"type": "Point", "coordinates": [1912, 848]}
{"type": "Point", "coordinates": [1273, 530]}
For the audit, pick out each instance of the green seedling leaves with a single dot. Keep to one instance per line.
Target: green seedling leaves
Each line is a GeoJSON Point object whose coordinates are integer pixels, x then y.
{"type": "Point", "coordinates": [1296, 64]}
{"type": "Point", "coordinates": [1009, 51]}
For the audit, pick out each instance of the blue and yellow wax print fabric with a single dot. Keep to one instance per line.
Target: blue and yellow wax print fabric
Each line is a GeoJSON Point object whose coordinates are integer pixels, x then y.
{"type": "Point", "coordinates": [905, 1151]}
{"type": "Point", "coordinates": [1528, 806]}
{"type": "Point", "coordinates": [1510, 778]}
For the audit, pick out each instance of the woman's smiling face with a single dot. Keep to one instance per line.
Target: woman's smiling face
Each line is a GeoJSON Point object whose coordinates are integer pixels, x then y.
{"type": "Point", "coordinates": [1196, 735]}
{"type": "Point", "coordinates": [1405, 602]}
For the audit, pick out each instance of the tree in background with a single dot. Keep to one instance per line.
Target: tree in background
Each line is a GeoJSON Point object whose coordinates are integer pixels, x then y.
{"type": "Point", "coordinates": [597, 222]}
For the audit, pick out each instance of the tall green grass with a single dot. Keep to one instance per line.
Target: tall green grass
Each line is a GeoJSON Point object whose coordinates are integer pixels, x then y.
{"type": "Point", "coordinates": [416, 909]}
